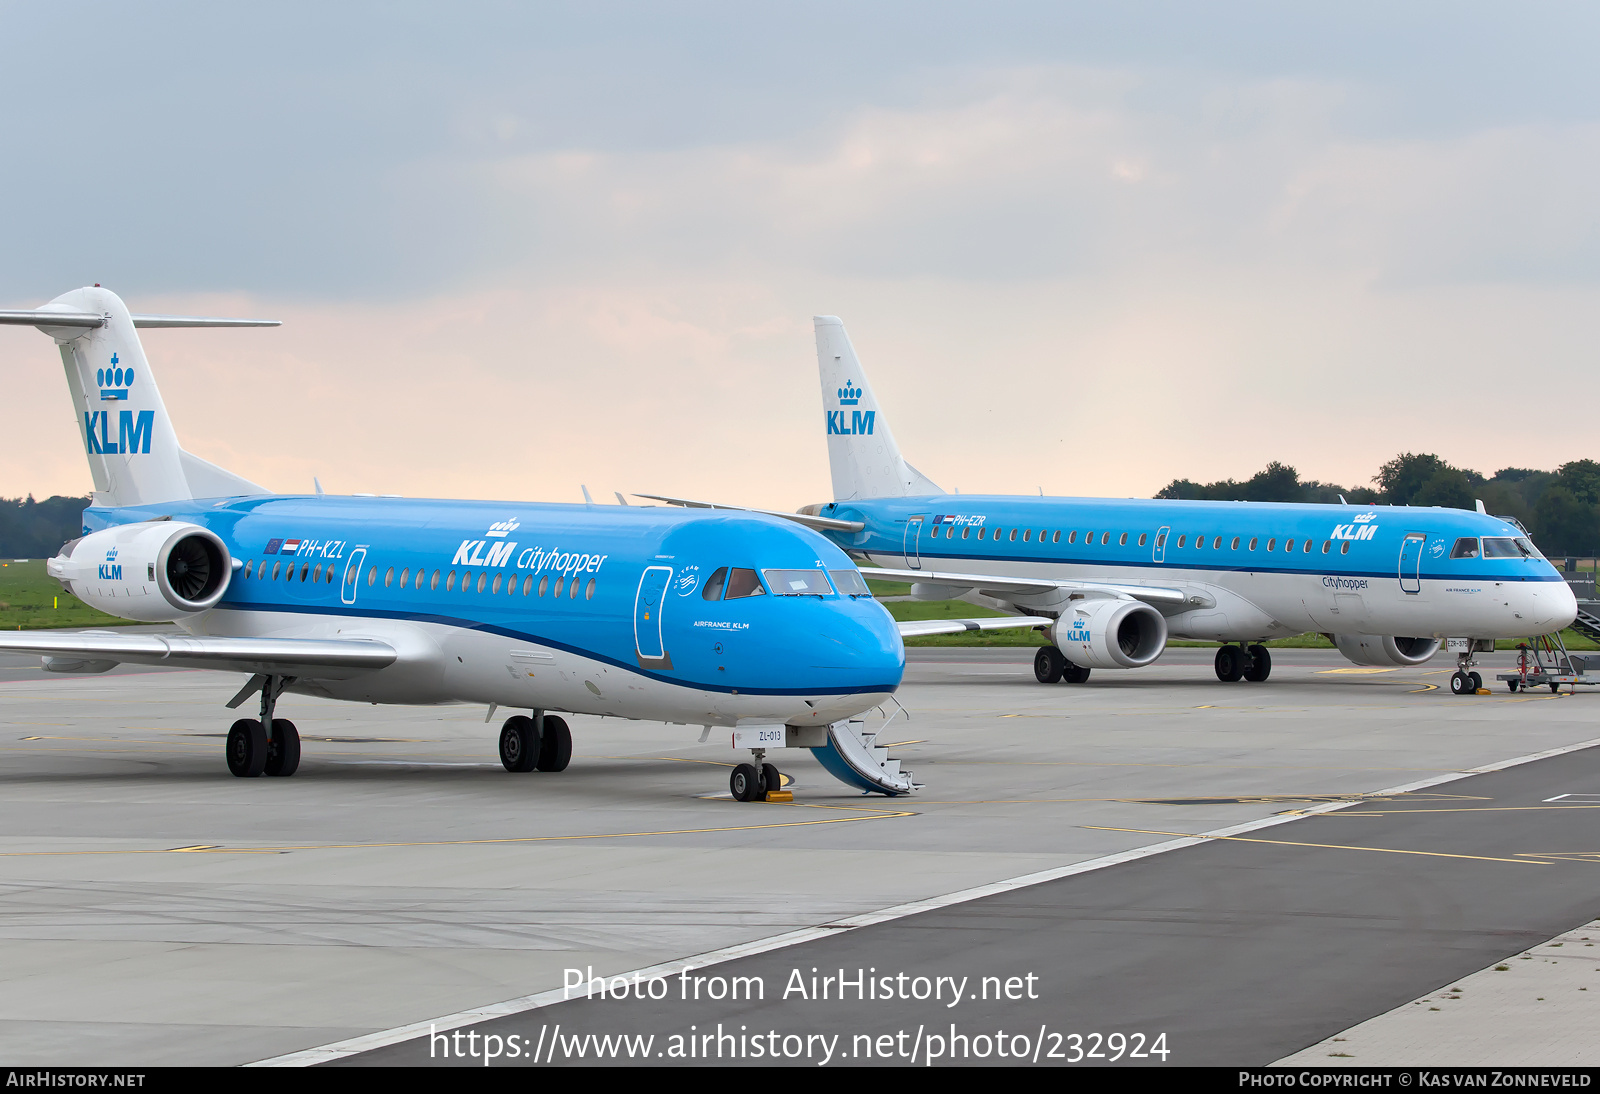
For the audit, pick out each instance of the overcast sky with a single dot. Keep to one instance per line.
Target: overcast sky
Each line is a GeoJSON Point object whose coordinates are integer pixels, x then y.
{"type": "Point", "coordinates": [1088, 248]}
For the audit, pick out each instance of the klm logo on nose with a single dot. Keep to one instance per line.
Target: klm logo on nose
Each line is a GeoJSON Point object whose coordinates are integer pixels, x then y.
{"type": "Point", "coordinates": [133, 432]}
{"type": "Point", "coordinates": [859, 423]}
{"type": "Point", "coordinates": [115, 381]}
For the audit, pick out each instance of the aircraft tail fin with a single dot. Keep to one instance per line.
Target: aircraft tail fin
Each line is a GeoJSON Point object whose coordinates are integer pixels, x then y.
{"type": "Point", "coordinates": [134, 456]}
{"type": "Point", "coordinates": [862, 453]}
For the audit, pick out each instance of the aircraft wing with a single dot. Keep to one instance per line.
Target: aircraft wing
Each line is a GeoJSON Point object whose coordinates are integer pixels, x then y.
{"type": "Point", "coordinates": [988, 583]}
{"type": "Point", "coordinates": [916, 628]}
{"type": "Point", "coordinates": [820, 524]}
{"type": "Point", "coordinates": [321, 658]}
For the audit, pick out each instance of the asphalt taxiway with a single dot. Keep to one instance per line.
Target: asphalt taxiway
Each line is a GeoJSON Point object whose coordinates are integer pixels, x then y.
{"type": "Point", "coordinates": [155, 910]}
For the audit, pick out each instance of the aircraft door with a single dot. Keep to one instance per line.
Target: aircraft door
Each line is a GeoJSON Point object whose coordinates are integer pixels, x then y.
{"type": "Point", "coordinates": [352, 575]}
{"type": "Point", "coordinates": [1411, 562]}
{"type": "Point", "coordinates": [647, 606]}
{"type": "Point", "coordinates": [1158, 551]}
{"type": "Point", "coordinates": [913, 545]}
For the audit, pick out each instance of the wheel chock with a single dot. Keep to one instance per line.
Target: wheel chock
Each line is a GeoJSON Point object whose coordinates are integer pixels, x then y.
{"type": "Point", "coordinates": [780, 796]}
{"type": "Point", "coordinates": [1483, 691]}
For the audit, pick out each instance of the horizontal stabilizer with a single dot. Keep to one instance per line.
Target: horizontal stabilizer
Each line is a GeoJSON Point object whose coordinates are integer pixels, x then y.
{"type": "Point", "coordinates": [916, 628]}
{"type": "Point", "coordinates": [989, 583]}
{"type": "Point", "coordinates": [40, 317]}
{"type": "Point", "coordinates": [820, 524]}
{"type": "Point", "coordinates": [319, 658]}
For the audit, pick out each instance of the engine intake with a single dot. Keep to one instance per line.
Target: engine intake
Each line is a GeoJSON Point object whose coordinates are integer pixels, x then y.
{"type": "Point", "coordinates": [155, 572]}
{"type": "Point", "coordinates": [1383, 649]}
{"type": "Point", "coordinates": [1110, 633]}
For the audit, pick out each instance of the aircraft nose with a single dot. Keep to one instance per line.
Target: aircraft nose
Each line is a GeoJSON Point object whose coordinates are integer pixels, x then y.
{"type": "Point", "coordinates": [860, 648]}
{"type": "Point", "coordinates": [1555, 606]}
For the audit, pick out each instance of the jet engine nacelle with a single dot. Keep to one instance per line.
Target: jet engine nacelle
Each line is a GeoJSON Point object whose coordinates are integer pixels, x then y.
{"type": "Point", "coordinates": [1383, 649]}
{"type": "Point", "coordinates": [155, 572]}
{"type": "Point", "coordinates": [1110, 633]}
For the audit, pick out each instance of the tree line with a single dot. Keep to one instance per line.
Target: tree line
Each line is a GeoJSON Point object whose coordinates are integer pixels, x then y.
{"type": "Point", "coordinates": [37, 529]}
{"type": "Point", "coordinates": [1560, 508]}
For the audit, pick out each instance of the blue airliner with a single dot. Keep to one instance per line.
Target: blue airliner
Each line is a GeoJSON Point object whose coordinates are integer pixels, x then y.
{"type": "Point", "coordinates": [726, 619]}
{"type": "Point", "coordinates": [1109, 580]}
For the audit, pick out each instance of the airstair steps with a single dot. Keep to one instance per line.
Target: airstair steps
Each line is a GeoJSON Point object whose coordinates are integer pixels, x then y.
{"type": "Point", "coordinates": [1588, 621]}
{"type": "Point", "coordinates": [853, 757]}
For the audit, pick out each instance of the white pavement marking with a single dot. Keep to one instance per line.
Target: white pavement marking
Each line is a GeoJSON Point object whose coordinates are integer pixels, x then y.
{"type": "Point", "coordinates": [383, 1038]}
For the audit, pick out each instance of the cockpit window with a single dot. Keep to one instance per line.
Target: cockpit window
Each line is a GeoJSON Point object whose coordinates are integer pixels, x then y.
{"type": "Point", "coordinates": [743, 583]}
{"type": "Point", "coordinates": [1506, 547]}
{"type": "Point", "coordinates": [798, 582]}
{"type": "Point", "coordinates": [713, 589]}
{"type": "Point", "coordinates": [1528, 548]}
{"type": "Point", "coordinates": [1466, 547]}
{"type": "Point", "coordinates": [850, 582]}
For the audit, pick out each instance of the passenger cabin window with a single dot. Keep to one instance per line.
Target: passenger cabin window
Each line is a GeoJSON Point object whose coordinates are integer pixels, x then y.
{"type": "Point", "coordinates": [741, 583]}
{"type": "Point", "coordinates": [1307, 547]}
{"type": "Point", "coordinates": [388, 578]}
{"type": "Point", "coordinates": [527, 585]}
{"type": "Point", "coordinates": [496, 588]}
{"type": "Point", "coordinates": [561, 585]}
{"type": "Point", "coordinates": [1027, 534]}
{"type": "Point", "coordinates": [1105, 538]}
{"type": "Point", "coordinates": [712, 591]}
{"type": "Point", "coordinates": [1344, 548]}
{"type": "Point", "coordinates": [965, 530]}
{"type": "Point", "coordinates": [1466, 547]}
{"type": "Point", "coordinates": [1235, 545]}
{"type": "Point", "coordinates": [798, 582]}
{"type": "Point", "coordinates": [1122, 540]}
{"type": "Point", "coordinates": [1072, 537]}
{"type": "Point", "coordinates": [434, 582]}
{"type": "Point", "coordinates": [1252, 544]}
{"type": "Point", "coordinates": [1181, 540]}
{"type": "Point", "coordinates": [1216, 544]}
{"type": "Point", "coordinates": [1159, 539]}
{"type": "Point", "coordinates": [1013, 535]}
{"type": "Point", "coordinates": [1288, 545]}
{"type": "Point", "coordinates": [1325, 545]}
{"type": "Point", "coordinates": [588, 590]}
{"type": "Point", "coordinates": [1055, 537]}
{"type": "Point", "coordinates": [1272, 544]}
{"type": "Point", "coordinates": [544, 584]}
{"type": "Point", "coordinates": [450, 582]}
{"type": "Point", "coordinates": [249, 566]}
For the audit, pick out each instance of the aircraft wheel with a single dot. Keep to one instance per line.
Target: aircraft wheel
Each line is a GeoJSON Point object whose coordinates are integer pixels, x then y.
{"type": "Point", "coordinates": [283, 750]}
{"type": "Point", "coordinates": [1460, 683]}
{"type": "Point", "coordinates": [1048, 664]}
{"type": "Point", "coordinates": [555, 745]}
{"type": "Point", "coordinates": [1477, 681]}
{"type": "Point", "coordinates": [519, 744]}
{"type": "Point", "coordinates": [745, 783]}
{"type": "Point", "coordinates": [1075, 674]}
{"type": "Point", "coordinates": [247, 748]}
{"type": "Point", "coordinates": [1511, 685]}
{"type": "Point", "coordinates": [1228, 664]}
{"type": "Point", "coordinates": [1260, 664]}
{"type": "Point", "coordinates": [770, 778]}
{"type": "Point", "coordinates": [1555, 688]}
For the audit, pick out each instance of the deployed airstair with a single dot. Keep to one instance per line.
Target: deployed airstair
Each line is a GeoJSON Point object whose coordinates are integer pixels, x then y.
{"type": "Point", "coordinates": [853, 756]}
{"type": "Point", "coordinates": [1588, 621]}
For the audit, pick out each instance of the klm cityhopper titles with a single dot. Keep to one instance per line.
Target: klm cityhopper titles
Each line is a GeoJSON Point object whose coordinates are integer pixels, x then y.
{"type": "Point", "coordinates": [1110, 580]}
{"type": "Point", "coordinates": [717, 619]}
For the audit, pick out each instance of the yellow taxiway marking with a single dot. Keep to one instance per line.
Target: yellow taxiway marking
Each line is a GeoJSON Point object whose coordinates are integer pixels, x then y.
{"type": "Point", "coordinates": [1359, 670]}
{"type": "Point", "coordinates": [1425, 687]}
{"type": "Point", "coordinates": [1327, 846]}
{"type": "Point", "coordinates": [864, 814]}
{"type": "Point", "coordinates": [1462, 809]}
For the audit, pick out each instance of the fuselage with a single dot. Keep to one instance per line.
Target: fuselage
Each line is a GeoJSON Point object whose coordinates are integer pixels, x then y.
{"type": "Point", "coordinates": [591, 609]}
{"type": "Point", "coordinates": [1255, 570]}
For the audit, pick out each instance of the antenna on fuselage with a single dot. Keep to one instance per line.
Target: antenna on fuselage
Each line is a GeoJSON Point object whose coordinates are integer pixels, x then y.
{"type": "Point", "coordinates": [316, 485]}
{"type": "Point", "coordinates": [587, 500]}
{"type": "Point", "coordinates": [1479, 503]}
{"type": "Point", "coordinates": [620, 499]}
{"type": "Point", "coordinates": [1342, 501]}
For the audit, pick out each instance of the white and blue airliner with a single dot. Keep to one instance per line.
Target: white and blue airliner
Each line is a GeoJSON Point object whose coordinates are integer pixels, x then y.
{"type": "Point", "coordinates": [735, 620]}
{"type": "Point", "coordinates": [1110, 580]}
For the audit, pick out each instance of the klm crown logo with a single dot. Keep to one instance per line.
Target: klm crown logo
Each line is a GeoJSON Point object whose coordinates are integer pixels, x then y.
{"type": "Point", "coordinates": [110, 569]}
{"type": "Point", "coordinates": [113, 382]}
{"type": "Point", "coordinates": [503, 528]}
{"type": "Point", "coordinates": [849, 396]}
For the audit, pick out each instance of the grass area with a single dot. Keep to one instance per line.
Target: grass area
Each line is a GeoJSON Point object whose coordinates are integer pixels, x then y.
{"type": "Point", "coordinates": [31, 599]}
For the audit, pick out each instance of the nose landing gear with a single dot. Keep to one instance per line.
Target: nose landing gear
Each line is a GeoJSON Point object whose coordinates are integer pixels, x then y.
{"type": "Point", "coordinates": [755, 781]}
{"type": "Point", "coordinates": [1464, 681]}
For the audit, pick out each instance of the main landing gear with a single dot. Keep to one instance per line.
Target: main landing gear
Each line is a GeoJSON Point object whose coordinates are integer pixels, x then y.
{"type": "Point", "coordinates": [1051, 666]}
{"type": "Point", "coordinates": [251, 750]}
{"type": "Point", "coordinates": [1241, 662]}
{"type": "Point", "coordinates": [754, 781]}
{"type": "Point", "coordinates": [540, 743]}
